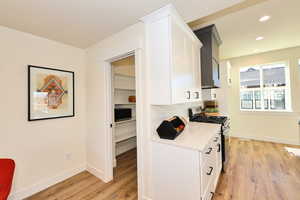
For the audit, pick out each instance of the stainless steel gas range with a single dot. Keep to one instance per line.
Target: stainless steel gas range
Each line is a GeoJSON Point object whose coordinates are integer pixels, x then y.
{"type": "Point", "coordinates": [225, 127]}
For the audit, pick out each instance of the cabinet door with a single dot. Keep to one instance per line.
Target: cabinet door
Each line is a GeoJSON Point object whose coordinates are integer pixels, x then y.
{"type": "Point", "coordinates": [190, 63]}
{"type": "Point", "coordinates": [197, 95]}
{"type": "Point", "coordinates": [210, 193]}
{"type": "Point", "coordinates": [197, 66]}
{"type": "Point", "coordinates": [181, 73]}
{"type": "Point", "coordinates": [219, 156]}
{"type": "Point", "coordinates": [217, 147]}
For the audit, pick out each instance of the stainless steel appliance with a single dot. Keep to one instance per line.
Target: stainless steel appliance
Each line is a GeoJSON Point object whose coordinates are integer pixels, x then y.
{"type": "Point", "coordinates": [225, 127]}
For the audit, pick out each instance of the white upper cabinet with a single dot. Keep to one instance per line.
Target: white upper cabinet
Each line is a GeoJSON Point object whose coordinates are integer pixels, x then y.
{"type": "Point", "coordinates": [173, 58]}
{"type": "Point", "coordinates": [197, 92]}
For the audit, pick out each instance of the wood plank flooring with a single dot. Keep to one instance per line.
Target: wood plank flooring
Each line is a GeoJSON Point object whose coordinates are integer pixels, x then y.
{"type": "Point", "coordinates": [256, 171]}
{"type": "Point", "coordinates": [260, 171]}
{"type": "Point", "coordinates": [85, 186]}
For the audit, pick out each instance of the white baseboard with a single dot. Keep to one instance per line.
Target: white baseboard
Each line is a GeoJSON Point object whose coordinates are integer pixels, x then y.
{"type": "Point", "coordinates": [11, 197]}
{"type": "Point", "coordinates": [266, 139]}
{"type": "Point", "coordinates": [146, 198]}
{"type": "Point", "coordinates": [96, 172]}
{"type": "Point", "coordinates": [31, 190]}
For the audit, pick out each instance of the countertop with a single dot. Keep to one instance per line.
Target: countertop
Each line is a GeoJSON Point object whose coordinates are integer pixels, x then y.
{"type": "Point", "coordinates": [213, 114]}
{"type": "Point", "coordinates": [195, 136]}
{"type": "Point", "coordinates": [216, 114]}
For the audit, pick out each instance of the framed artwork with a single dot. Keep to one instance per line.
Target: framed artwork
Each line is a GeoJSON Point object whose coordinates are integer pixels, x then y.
{"type": "Point", "coordinates": [50, 93]}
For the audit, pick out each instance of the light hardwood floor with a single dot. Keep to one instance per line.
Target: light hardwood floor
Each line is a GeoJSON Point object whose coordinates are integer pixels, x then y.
{"type": "Point", "coordinates": [256, 171]}
{"type": "Point", "coordinates": [85, 186]}
{"type": "Point", "coordinates": [260, 171]}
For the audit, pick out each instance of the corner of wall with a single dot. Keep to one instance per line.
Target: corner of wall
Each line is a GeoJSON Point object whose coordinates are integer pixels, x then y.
{"type": "Point", "coordinates": [97, 172]}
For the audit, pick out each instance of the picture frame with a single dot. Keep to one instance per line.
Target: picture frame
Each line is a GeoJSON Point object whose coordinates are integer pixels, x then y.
{"type": "Point", "coordinates": [51, 93]}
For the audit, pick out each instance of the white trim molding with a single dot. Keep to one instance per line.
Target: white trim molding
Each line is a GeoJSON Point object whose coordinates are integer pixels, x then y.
{"type": "Point", "coordinates": [107, 174]}
{"type": "Point", "coordinates": [146, 198]}
{"type": "Point", "coordinates": [96, 172]}
{"type": "Point", "coordinates": [42, 185]}
{"type": "Point", "coordinates": [266, 139]}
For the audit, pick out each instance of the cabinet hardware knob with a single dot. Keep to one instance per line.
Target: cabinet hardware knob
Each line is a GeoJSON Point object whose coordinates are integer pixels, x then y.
{"type": "Point", "coordinates": [219, 147]}
{"type": "Point", "coordinates": [189, 94]}
{"type": "Point", "coordinates": [212, 195]}
{"type": "Point", "coordinates": [209, 150]}
{"type": "Point", "coordinates": [211, 169]}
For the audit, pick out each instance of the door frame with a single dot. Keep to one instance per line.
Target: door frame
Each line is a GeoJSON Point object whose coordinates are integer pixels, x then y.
{"type": "Point", "coordinates": [140, 101]}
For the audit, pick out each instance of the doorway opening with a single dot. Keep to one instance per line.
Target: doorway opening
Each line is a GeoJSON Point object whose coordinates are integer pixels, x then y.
{"type": "Point", "coordinates": [124, 118]}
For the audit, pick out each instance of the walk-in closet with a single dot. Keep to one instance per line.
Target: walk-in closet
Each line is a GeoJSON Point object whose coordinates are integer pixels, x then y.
{"type": "Point", "coordinates": [124, 109]}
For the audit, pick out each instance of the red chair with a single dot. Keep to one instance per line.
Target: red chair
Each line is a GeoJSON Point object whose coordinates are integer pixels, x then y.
{"type": "Point", "coordinates": [7, 168]}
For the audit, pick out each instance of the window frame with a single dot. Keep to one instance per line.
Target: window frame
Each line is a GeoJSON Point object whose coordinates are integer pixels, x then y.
{"type": "Point", "coordinates": [287, 88]}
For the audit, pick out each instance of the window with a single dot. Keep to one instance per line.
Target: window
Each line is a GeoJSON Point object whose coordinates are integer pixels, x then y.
{"type": "Point", "coordinates": [265, 87]}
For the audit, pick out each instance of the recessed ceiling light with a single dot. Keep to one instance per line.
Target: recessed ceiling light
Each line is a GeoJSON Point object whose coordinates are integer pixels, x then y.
{"type": "Point", "coordinates": [259, 38]}
{"type": "Point", "coordinates": [264, 18]}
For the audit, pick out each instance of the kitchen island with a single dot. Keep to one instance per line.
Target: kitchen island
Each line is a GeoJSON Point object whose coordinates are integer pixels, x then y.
{"type": "Point", "coordinates": [188, 167]}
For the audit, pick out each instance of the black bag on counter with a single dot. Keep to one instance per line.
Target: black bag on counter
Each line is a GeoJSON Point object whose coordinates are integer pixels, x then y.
{"type": "Point", "coordinates": [171, 128]}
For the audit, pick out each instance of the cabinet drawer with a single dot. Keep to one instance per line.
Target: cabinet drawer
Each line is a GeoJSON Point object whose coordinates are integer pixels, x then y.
{"type": "Point", "coordinates": [209, 163]}
{"type": "Point", "coordinates": [209, 152]}
{"type": "Point", "coordinates": [209, 193]}
{"type": "Point", "coordinates": [208, 174]}
{"type": "Point", "coordinates": [217, 138]}
{"type": "Point", "coordinates": [209, 196]}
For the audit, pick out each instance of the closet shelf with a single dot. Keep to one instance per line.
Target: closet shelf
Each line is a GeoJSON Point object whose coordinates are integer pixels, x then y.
{"type": "Point", "coordinates": [124, 75]}
{"type": "Point", "coordinates": [127, 137]}
{"type": "Point", "coordinates": [125, 103]}
{"type": "Point", "coordinates": [125, 121]}
{"type": "Point", "coordinates": [126, 89]}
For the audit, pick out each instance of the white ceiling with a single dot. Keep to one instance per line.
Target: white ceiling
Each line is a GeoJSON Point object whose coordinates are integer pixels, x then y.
{"type": "Point", "coordinates": [239, 30]}
{"type": "Point", "coordinates": [82, 23]}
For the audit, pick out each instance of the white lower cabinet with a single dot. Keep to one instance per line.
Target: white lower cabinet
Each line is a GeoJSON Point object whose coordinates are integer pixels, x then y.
{"type": "Point", "coordinates": [209, 193]}
{"type": "Point", "coordinates": [211, 167]}
{"type": "Point", "coordinates": [185, 173]}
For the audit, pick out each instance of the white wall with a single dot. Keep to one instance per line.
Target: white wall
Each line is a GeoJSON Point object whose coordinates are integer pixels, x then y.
{"type": "Point", "coordinates": [222, 92]}
{"type": "Point", "coordinates": [125, 41]}
{"type": "Point", "coordinates": [39, 148]}
{"type": "Point", "coordinates": [272, 126]}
